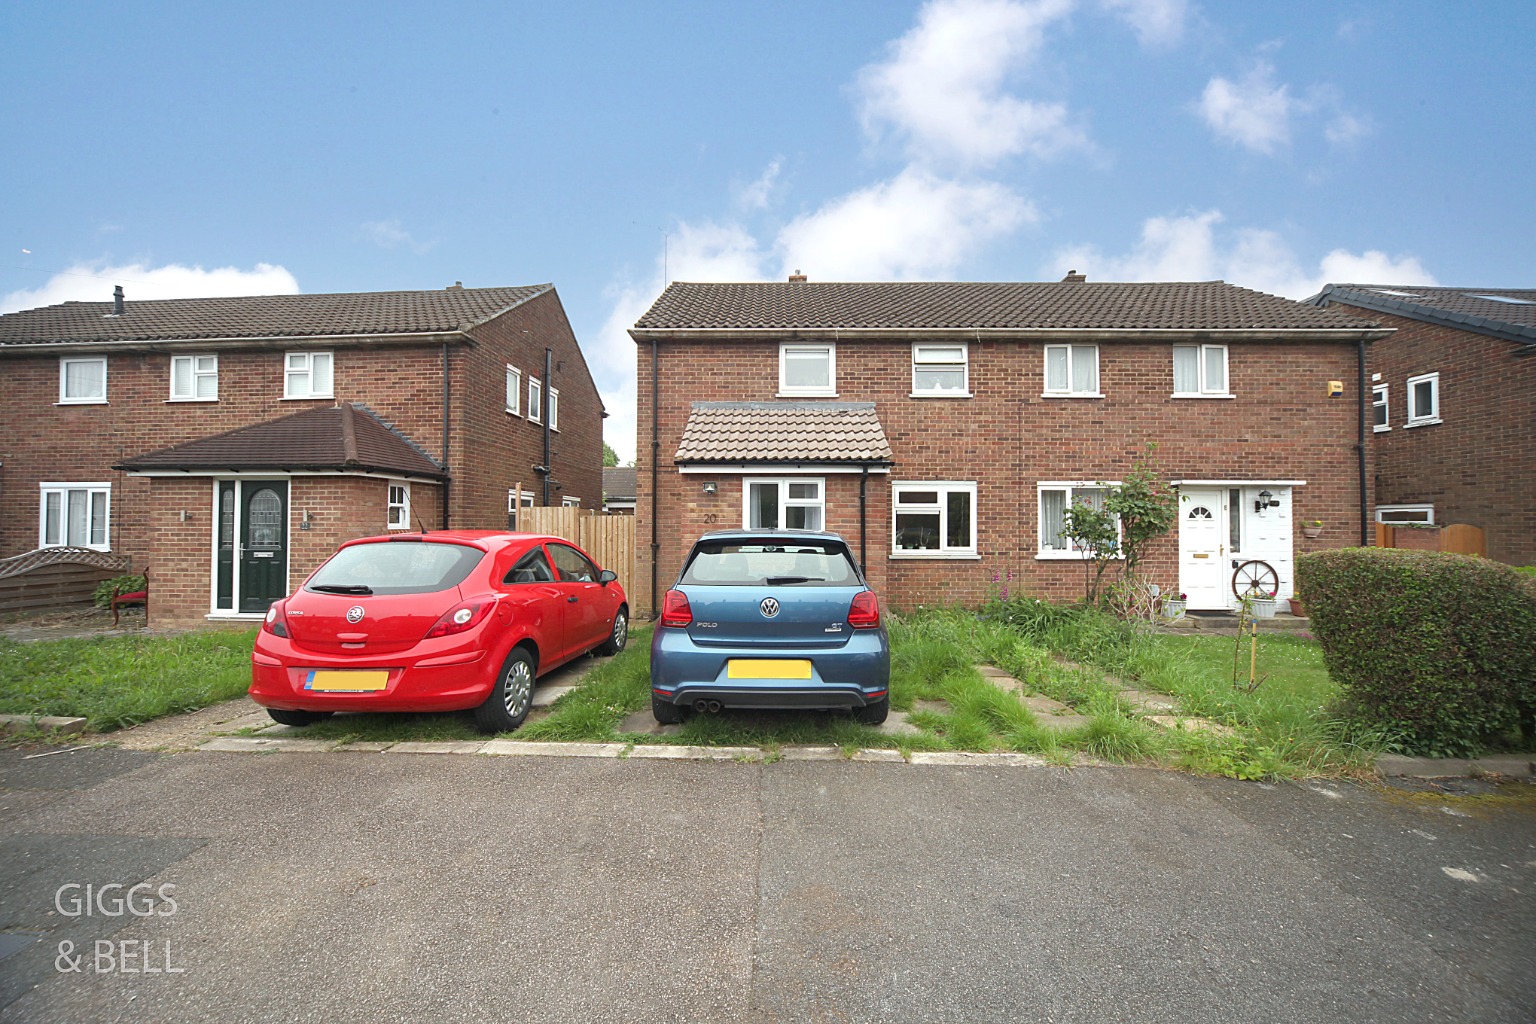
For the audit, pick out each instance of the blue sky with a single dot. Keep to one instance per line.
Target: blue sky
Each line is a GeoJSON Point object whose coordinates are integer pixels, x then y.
{"type": "Point", "coordinates": [184, 149]}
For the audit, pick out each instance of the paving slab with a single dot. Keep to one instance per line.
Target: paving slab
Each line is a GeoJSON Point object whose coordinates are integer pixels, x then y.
{"type": "Point", "coordinates": [1062, 723]}
{"type": "Point", "coordinates": [364, 746]}
{"type": "Point", "coordinates": [897, 725]}
{"type": "Point", "coordinates": [1191, 724]}
{"type": "Point", "coordinates": [1144, 701]}
{"type": "Point", "coordinates": [188, 731]}
{"type": "Point", "coordinates": [544, 696]}
{"type": "Point", "coordinates": [947, 757]}
{"type": "Point", "coordinates": [812, 753]}
{"type": "Point", "coordinates": [936, 707]}
{"type": "Point", "coordinates": [681, 753]}
{"type": "Point", "coordinates": [540, 748]}
{"type": "Point", "coordinates": [645, 722]}
{"type": "Point", "coordinates": [265, 744]}
{"type": "Point", "coordinates": [438, 747]}
{"type": "Point", "coordinates": [991, 672]}
{"type": "Point", "coordinates": [47, 723]}
{"type": "Point", "coordinates": [1045, 706]}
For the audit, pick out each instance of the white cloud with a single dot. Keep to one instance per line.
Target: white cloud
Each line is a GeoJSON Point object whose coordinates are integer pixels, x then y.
{"type": "Point", "coordinates": [93, 282]}
{"type": "Point", "coordinates": [755, 195]}
{"type": "Point", "coordinates": [1346, 128]}
{"type": "Point", "coordinates": [1190, 248]}
{"type": "Point", "coordinates": [391, 234]}
{"type": "Point", "coordinates": [1254, 113]}
{"type": "Point", "coordinates": [1156, 22]}
{"type": "Point", "coordinates": [942, 88]}
{"type": "Point", "coordinates": [913, 226]}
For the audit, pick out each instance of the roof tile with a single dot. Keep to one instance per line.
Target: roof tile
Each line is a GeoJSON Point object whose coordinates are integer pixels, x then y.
{"type": "Point", "coordinates": [735, 432]}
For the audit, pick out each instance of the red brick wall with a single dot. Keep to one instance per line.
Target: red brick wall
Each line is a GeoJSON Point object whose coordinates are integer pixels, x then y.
{"type": "Point", "coordinates": [1007, 438]}
{"type": "Point", "coordinates": [1478, 466]}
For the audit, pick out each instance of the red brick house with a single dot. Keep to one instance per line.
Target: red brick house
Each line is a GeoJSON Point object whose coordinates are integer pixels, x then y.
{"type": "Point", "coordinates": [230, 443]}
{"type": "Point", "coordinates": [1453, 408]}
{"type": "Point", "coordinates": [944, 427]}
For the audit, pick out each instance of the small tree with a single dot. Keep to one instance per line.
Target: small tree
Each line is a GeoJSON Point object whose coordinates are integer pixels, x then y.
{"type": "Point", "coordinates": [1092, 531]}
{"type": "Point", "coordinates": [1146, 508]}
{"type": "Point", "coordinates": [610, 457]}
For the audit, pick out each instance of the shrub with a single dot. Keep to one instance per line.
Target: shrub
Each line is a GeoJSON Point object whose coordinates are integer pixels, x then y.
{"type": "Point", "coordinates": [117, 585]}
{"type": "Point", "coordinates": [1435, 651]}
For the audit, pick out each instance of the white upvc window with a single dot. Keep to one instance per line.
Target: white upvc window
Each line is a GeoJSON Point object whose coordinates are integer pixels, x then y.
{"type": "Point", "coordinates": [1072, 371]}
{"type": "Point", "coordinates": [941, 370]}
{"type": "Point", "coordinates": [1406, 515]}
{"type": "Point", "coordinates": [554, 408]}
{"type": "Point", "coordinates": [792, 503]}
{"type": "Point", "coordinates": [75, 515]}
{"type": "Point", "coordinates": [516, 500]}
{"type": "Point", "coordinates": [307, 375]}
{"type": "Point", "coordinates": [1200, 371]}
{"type": "Point", "coordinates": [514, 390]}
{"type": "Point", "coordinates": [1423, 400]}
{"type": "Point", "coordinates": [933, 520]}
{"type": "Point", "coordinates": [399, 517]}
{"type": "Point", "coordinates": [1379, 412]}
{"type": "Point", "coordinates": [808, 370]}
{"type": "Point", "coordinates": [82, 381]}
{"type": "Point", "coordinates": [194, 378]}
{"type": "Point", "coordinates": [1055, 499]}
{"type": "Point", "coordinates": [535, 400]}
{"type": "Point", "coordinates": [570, 502]}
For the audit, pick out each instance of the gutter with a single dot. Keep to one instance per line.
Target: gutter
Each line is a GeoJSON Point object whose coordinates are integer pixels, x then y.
{"type": "Point", "coordinates": [1361, 390]}
{"type": "Point", "coordinates": [1340, 334]}
{"type": "Point", "coordinates": [270, 341]}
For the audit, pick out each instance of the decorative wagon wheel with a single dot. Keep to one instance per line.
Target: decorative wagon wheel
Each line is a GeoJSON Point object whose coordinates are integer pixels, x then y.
{"type": "Point", "coordinates": [1255, 579]}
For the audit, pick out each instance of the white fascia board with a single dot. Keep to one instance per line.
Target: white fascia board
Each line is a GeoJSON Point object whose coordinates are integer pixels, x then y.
{"type": "Point", "coordinates": [1238, 483]}
{"type": "Point", "coordinates": [762, 469]}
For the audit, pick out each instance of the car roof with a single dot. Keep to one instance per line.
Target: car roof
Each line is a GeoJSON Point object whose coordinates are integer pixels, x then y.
{"type": "Point", "coordinates": [486, 539]}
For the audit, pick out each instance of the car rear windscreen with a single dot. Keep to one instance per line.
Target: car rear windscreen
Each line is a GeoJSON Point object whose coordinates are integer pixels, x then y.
{"type": "Point", "coordinates": [398, 567]}
{"type": "Point", "coordinates": [730, 563]}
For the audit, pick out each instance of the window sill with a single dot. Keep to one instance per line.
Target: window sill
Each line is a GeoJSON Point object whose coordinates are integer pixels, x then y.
{"type": "Point", "coordinates": [1181, 394]}
{"type": "Point", "coordinates": [1068, 556]}
{"type": "Point", "coordinates": [514, 412]}
{"type": "Point", "coordinates": [190, 401]}
{"type": "Point", "coordinates": [941, 394]}
{"type": "Point", "coordinates": [1071, 394]}
{"type": "Point", "coordinates": [935, 556]}
{"type": "Point", "coordinates": [83, 401]}
{"type": "Point", "coordinates": [1421, 423]}
{"type": "Point", "coordinates": [308, 398]}
{"type": "Point", "coordinates": [806, 394]}
{"type": "Point", "coordinates": [1381, 430]}
{"type": "Point", "coordinates": [235, 616]}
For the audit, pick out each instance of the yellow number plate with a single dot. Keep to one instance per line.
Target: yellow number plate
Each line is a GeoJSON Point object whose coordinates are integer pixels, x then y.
{"type": "Point", "coordinates": [347, 681]}
{"type": "Point", "coordinates": [759, 669]}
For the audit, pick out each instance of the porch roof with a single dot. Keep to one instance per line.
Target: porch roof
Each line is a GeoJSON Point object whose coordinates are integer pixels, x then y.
{"type": "Point", "coordinates": [784, 432]}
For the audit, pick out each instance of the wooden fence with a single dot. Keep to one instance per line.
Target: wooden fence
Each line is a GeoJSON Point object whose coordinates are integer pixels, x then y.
{"type": "Point", "coordinates": [610, 539]}
{"type": "Point", "coordinates": [1457, 537]}
{"type": "Point", "coordinates": [52, 578]}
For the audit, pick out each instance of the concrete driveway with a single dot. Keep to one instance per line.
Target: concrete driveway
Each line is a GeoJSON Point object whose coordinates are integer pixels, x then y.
{"type": "Point", "coordinates": [375, 887]}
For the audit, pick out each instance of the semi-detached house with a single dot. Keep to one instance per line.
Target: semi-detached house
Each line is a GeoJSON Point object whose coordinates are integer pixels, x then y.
{"type": "Point", "coordinates": [944, 428]}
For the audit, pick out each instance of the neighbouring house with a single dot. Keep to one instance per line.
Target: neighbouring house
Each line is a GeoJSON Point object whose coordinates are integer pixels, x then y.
{"type": "Point", "coordinates": [1453, 408]}
{"type": "Point", "coordinates": [944, 428]}
{"type": "Point", "coordinates": [619, 490]}
{"type": "Point", "coordinates": [230, 443]}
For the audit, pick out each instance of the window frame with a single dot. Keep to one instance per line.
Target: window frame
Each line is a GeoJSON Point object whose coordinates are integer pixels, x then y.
{"type": "Point", "coordinates": [830, 390]}
{"type": "Point", "coordinates": [785, 502]}
{"type": "Point", "coordinates": [570, 501]}
{"type": "Point", "coordinates": [308, 356]}
{"type": "Point", "coordinates": [1070, 552]}
{"type": "Point", "coordinates": [1413, 419]}
{"type": "Point", "coordinates": [535, 400]}
{"type": "Point", "coordinates": [1426, 507]}
{"type": "Point", "coordinates": [193, 374]}
{"type": "Point", "coordinates": [64, 364]}
{"type": "Point", "coordinates": [516, 500]}
{"type": "Point", "coordinates": [1045, 367]}
{"type": "Point", "coordinates": [552, 408]}
{"type": "Point", "coordinates": [1382, 392]}
{"type": "Point", "coordinates": [63, 489]}
{"type": "Point", "coordinates": [514, 399]}
{"type": "Point", "coordinates": [1205, 390]}
{"type": "Point", "coordinates": [964, 366]}
{"type": "Point", "coordinates": [944, 489]}
{"type": "Point", "coordinates": [403, 521]}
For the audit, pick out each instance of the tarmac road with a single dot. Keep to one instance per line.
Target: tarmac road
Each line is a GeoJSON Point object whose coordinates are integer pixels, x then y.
{"type": "Point", "coordinates": [374, 887]}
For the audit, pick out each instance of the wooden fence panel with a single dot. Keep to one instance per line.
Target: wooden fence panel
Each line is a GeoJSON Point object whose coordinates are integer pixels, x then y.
{"type": "Point", "coordinates": [1463, 539]}
{"type": "Point", "coordinates": [610, 539]}
{"type": "Point", "coordinates": [47, 587]}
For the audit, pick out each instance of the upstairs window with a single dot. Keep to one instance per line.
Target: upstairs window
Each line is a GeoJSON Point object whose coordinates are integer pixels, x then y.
{"type": "Point", "coordinates": [1199, 371]}
{"type": "Point", "coordinates": [399, 517]}
{"type": "Point", "coordinates": [936, 520]}
{"type": "Point", "coordinates": [1379, 407]}
{"type": "Point", "coordinates": [535, 400]}
{"type": "Point", "coordinates": [940, 370]}
{"type": "Point", "coordinates": [307, 375]}
{"type": "Point", "coordinates": [808, 370]}
{"type": "Point", "coordinates": [1423, 400]}
{"type": "Point", "coordinates": [75, 515]}
{"type": "Point", "coordinates": [1072, 371]}
{"type": "Point", "coordinates": [514, 391]}
{"type": "Point", "coordinates": [82, 381]}
{"type": "Point", "coordinates": [194, 378]}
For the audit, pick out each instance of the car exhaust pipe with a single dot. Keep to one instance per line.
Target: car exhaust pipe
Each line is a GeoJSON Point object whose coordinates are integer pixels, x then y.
{"type": "Point", "coordinates": [712, 706]}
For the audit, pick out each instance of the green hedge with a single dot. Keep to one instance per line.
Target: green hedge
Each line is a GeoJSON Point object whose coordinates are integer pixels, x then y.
{"type": "Point", "coordinates": [1435, 652]}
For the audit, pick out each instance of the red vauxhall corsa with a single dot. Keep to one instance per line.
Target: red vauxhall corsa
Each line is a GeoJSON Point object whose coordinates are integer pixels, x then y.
{"type": "Point", "coordinates": [435, 622]}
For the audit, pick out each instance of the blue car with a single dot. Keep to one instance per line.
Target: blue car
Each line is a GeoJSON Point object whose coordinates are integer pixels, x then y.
{"type": "Point", "coordinates": [770, 619]}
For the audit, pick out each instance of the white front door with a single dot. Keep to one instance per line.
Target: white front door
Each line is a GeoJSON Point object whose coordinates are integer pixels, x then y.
{"type": "Point", "coordinates": [1203, 533]}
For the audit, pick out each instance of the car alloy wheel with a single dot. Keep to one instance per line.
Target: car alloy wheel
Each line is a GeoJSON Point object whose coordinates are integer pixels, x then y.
{"type": "Point", "coordinates": [618, 636]}
{"type": "Point", "coordinates": [509, 700]}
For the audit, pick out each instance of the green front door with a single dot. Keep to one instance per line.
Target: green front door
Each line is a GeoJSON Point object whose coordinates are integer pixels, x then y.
{"type": "Point", "coordinates": [263, 548]}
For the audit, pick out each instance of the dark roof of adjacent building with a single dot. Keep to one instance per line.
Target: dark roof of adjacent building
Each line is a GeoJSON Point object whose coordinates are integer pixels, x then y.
{"type": "Point", "coordinates": [783, 432]}
{"type": "Point", "coordinates": [919, 305]}
{"type": "Point", "coordinates": [1502, 312]}
{"type": "Point", "coordinates": [342, 437]}
{"type": "Point", "coordinates": [619, 483]}
{"type": "Point", "coordinates": [345, 314]}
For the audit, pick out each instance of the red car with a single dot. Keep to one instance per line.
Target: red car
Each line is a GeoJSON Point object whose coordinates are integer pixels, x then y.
{"type": "Point", "coordinates": [436, 621]}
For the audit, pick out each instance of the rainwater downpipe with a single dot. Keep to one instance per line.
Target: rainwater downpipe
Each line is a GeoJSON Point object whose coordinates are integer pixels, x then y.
{"type": "Point", "coordinates": [655, 475]}
{"type": "Point", "coordinates": [863, 508]}
{"type": "Point", "coordinates": [1365, 511]}
{"type": "Point", "coordinates": [447, 477]}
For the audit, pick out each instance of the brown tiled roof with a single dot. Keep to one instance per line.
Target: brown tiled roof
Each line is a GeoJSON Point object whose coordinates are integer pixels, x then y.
{"type": "Point", "coordinates": [342, 437]}
{"type": "Point", "coordinates": [1506, 312]}
{"type": "Point", "coordinates": [1199, 305]}
{"type": "Point", "coordinates": [263, 316]}
{"type": "Point", "coordinates": [783, 432]}
{"type": "Point", "coordinates": [619, 482]}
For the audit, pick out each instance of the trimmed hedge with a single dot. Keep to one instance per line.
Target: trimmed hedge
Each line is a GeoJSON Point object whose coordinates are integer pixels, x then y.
{"type": "Point", "coordinates": [1435, 651]}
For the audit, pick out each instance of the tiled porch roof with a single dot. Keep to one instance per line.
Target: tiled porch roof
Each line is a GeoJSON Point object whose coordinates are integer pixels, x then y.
{"type": "Point", "coordinates": [783, 432]}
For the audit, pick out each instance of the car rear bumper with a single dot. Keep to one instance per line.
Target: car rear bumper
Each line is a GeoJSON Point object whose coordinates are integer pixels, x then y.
{"type": "Point", "coordinates": [852, 676]}
{"type": "Point", "coordinates": [280, 672]}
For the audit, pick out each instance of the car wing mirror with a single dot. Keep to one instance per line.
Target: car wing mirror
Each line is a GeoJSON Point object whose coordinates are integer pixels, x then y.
{"type": "Point", "coordinates": [607, 576]}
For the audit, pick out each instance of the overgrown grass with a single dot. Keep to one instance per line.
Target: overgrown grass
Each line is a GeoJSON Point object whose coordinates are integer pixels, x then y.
{"type": "Point", "coordinates": [114, 682]}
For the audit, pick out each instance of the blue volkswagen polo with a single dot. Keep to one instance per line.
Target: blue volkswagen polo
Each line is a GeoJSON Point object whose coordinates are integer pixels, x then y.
{"type": "Point", "coordinates": [770, 619]}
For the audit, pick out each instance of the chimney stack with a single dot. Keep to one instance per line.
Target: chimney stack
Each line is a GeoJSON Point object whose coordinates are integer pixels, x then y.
{"type": "Point", "coordinates": [457, 286]}
{"type": "Point", "coordinates": [796, 276]}
{"type": "Point", "coordinates": [117, 301]}
{"type": "Point", "coordinates": [1073, 277]}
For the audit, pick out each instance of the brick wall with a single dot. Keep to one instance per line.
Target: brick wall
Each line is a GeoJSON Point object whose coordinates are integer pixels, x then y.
{"type": "Point", "coordinates": [1478, 465]}
{"type": "Point", "coordinates": [1281, 426]}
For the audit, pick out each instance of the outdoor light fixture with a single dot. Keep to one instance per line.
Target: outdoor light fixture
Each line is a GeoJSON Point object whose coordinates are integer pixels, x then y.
{"type": "Point", "coordinates": [1266, 500]}
{"type": "Point", "coordinates": [711, 487]}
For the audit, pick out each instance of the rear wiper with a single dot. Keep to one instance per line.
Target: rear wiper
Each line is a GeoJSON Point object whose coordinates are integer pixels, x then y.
{"type": "Point", "coordinates": [342, 588]}
{"type": "Point", "coordinates": [774, 581]}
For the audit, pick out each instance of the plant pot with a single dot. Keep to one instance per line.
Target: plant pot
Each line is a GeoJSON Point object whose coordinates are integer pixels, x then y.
{"type": "Point", "coordinates": [1297, 609]}
{"type": "Point", "coordinates": [1174, 608]}
{"type": "Point", "coordinates": [1312, 531]}
{"type": "Point", "coordinates": [1262, 607]}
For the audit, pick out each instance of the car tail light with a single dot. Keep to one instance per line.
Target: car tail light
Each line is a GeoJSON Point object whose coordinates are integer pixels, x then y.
{"type": "Point", "coordinates": [276, 622]}
{"type": "Point", "coordinates": [675, 610]}
{"type": "Point", "coordinates": [462, 616]}
{"type": "Point", "coordinates": [864, 613]}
